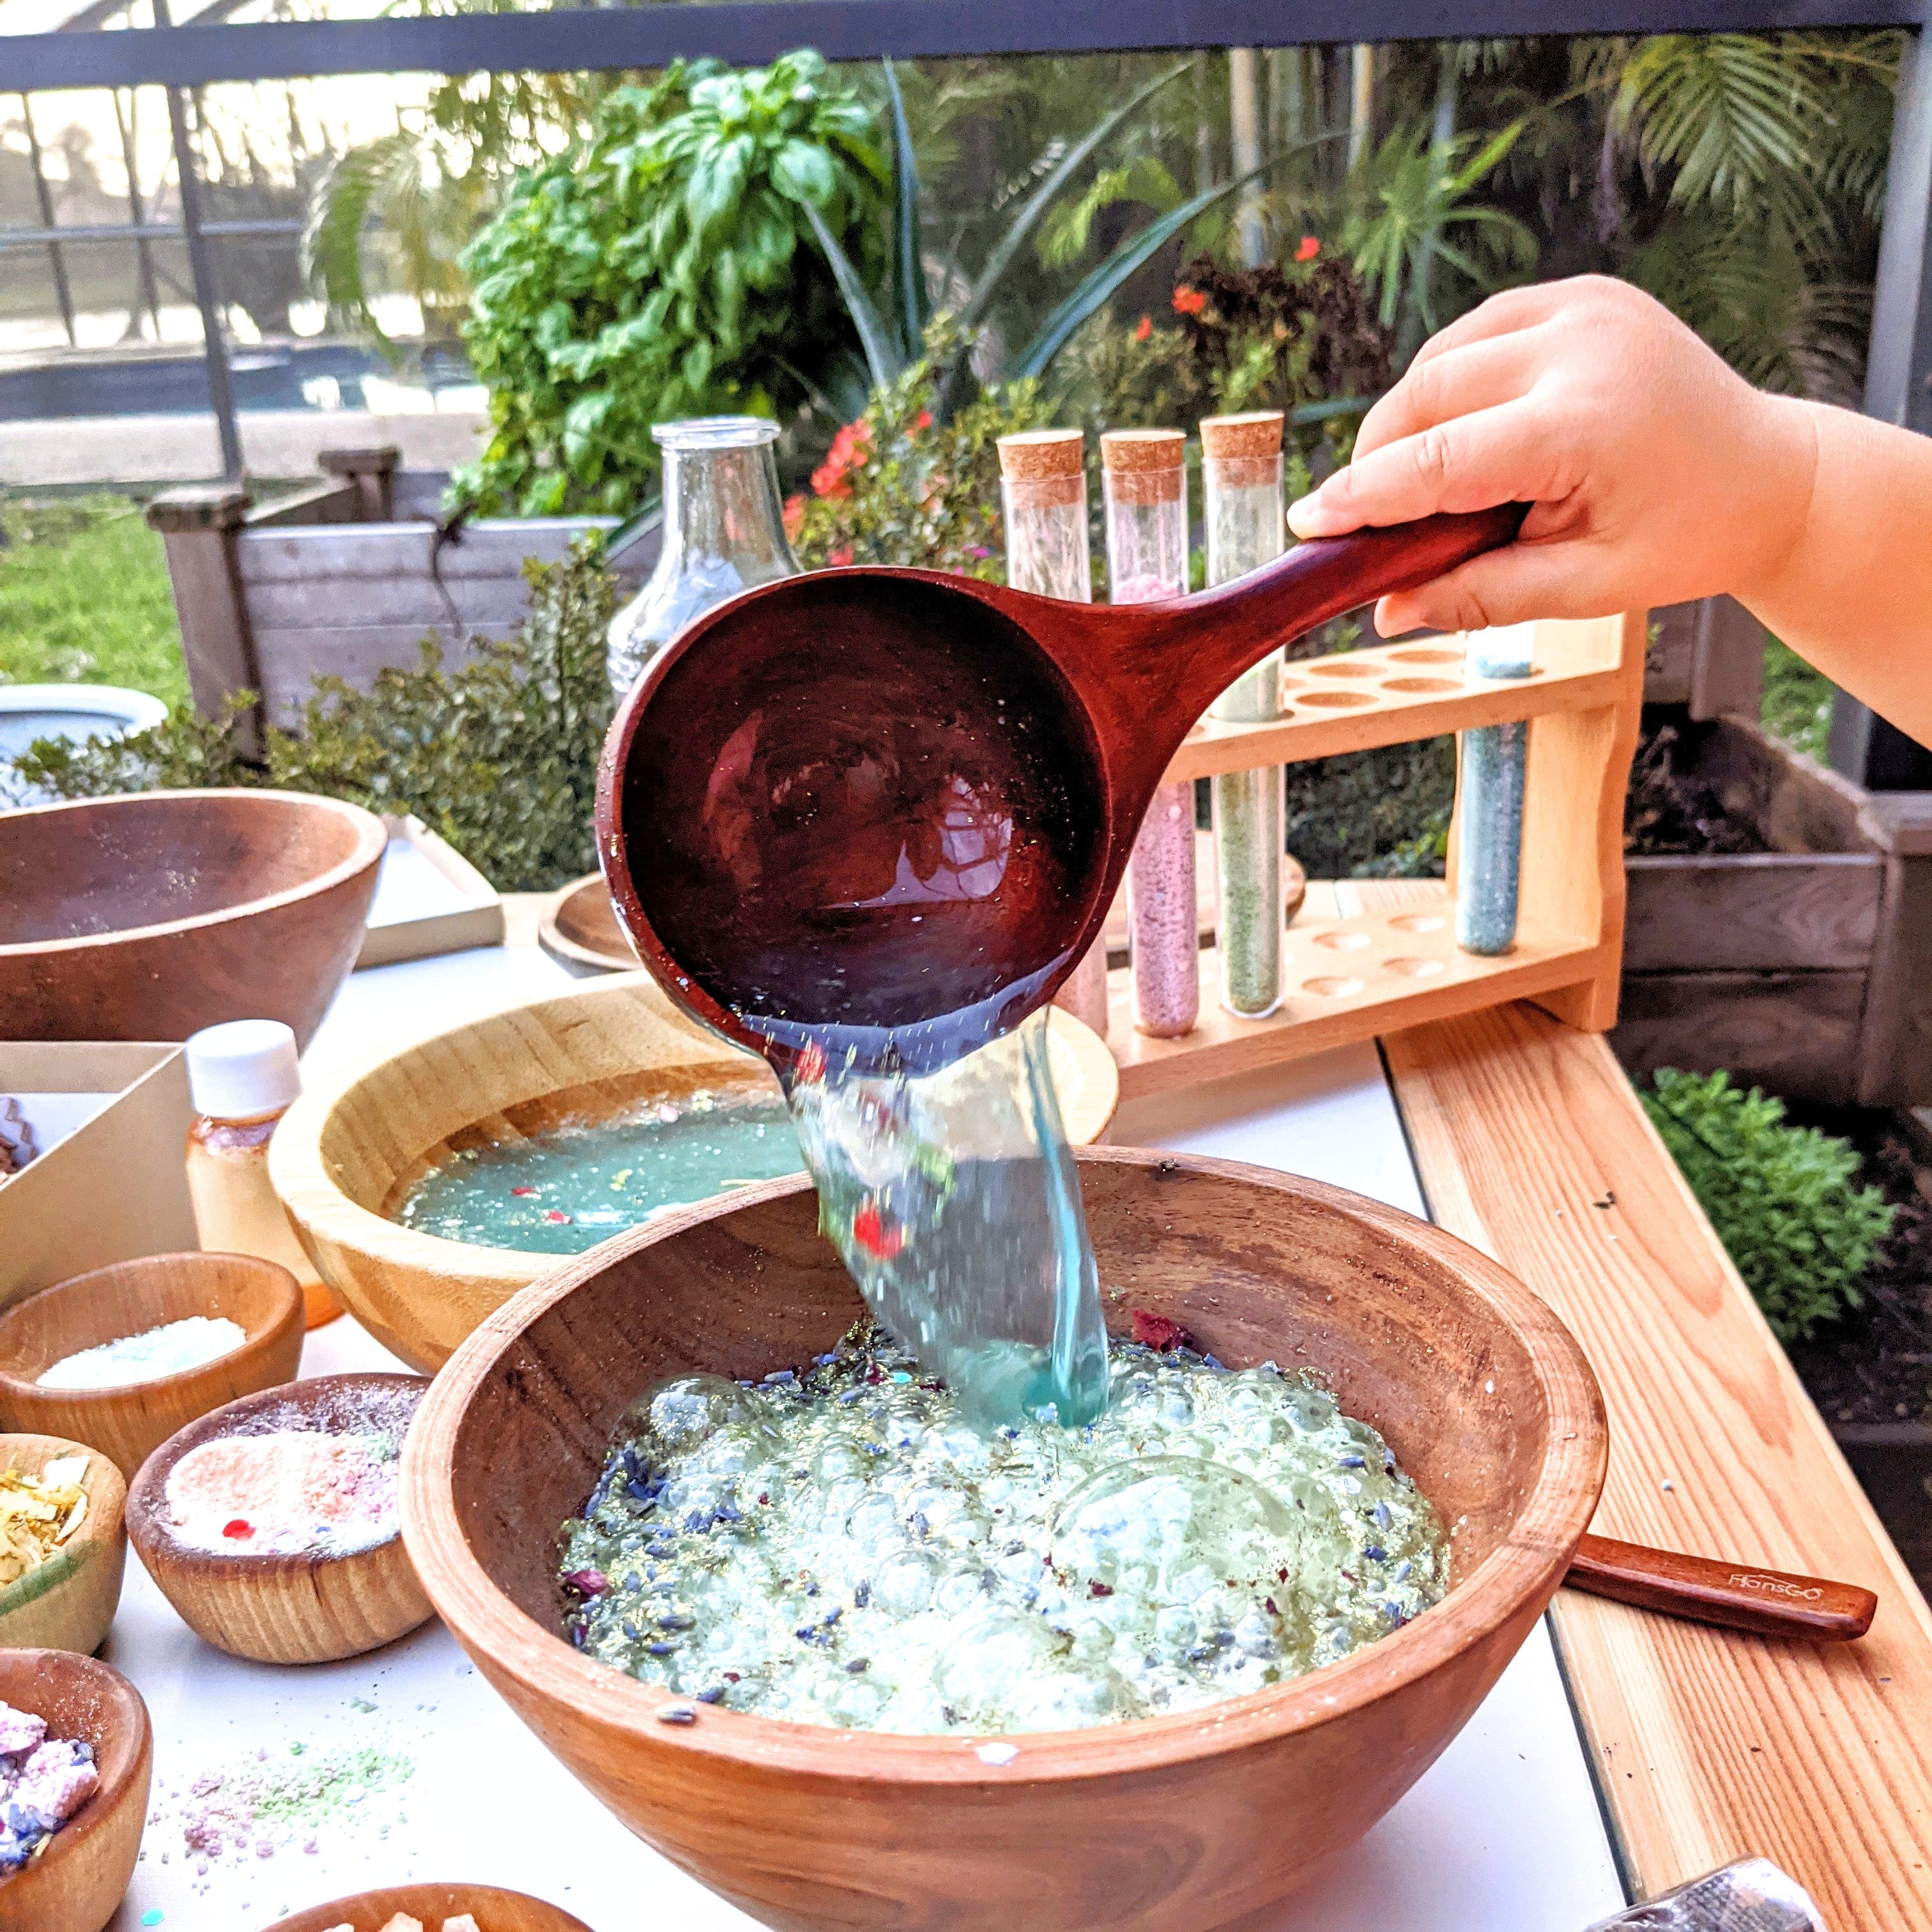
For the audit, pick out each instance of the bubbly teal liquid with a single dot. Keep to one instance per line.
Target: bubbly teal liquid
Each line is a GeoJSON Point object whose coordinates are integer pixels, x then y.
{"type": "Point", "coordinates": [560, 1192]}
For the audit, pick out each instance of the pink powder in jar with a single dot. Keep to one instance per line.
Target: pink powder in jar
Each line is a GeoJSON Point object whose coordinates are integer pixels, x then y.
{"type": "Point", "coordinates": [1161, 916]}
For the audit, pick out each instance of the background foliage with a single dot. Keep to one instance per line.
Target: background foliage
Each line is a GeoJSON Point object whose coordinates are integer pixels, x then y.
{"type": "Point", "coordinates": [664, 268]}
{"type": "Point", "coordinates": [1781, 1198]}
{"type": "Point", "coordinates": [499, 755]}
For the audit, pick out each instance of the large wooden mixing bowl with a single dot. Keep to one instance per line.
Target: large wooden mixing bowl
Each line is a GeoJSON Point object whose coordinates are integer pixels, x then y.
{"type": "Point", "coordinates": [1181, 1823]}
{"type": "Point", "coordinates": [349, 1150]}
{"type": "Point", "coordinates": [151, 915]}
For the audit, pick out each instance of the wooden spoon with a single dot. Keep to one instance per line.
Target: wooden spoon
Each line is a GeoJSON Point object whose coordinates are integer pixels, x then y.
{"type": "Point", "coordinates": [888, 809]}
{"type": "Point", "coordinates": [1708, 1590]}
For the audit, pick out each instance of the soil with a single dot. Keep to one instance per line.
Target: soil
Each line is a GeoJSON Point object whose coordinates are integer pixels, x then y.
{"type": "Point", "coordinates": [1876, 1366]}
{"type": "Point", "coordinates": [1669, 809]}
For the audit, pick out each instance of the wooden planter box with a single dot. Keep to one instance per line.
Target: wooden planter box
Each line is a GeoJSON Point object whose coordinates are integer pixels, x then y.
{"type": "Point", "coordinates": [1807, 969]}
{"type": "Point", "coordinates": [347, 577]}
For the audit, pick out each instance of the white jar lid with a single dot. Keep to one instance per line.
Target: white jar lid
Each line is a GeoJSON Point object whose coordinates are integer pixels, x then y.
{"type": "Point", "coordinates": [243, 1069]}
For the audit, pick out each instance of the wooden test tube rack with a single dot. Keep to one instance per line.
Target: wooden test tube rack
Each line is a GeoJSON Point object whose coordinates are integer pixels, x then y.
{"type": "Point", "coordinates": [1350, 975]}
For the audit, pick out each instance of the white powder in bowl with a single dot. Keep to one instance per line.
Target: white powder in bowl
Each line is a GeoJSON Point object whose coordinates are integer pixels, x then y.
{"type": "Point", "coordinates": [166, 1351]}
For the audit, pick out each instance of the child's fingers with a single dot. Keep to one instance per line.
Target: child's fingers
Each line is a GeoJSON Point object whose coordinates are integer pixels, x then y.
{"type": "Point", "coordinates": [1504, 314]}
{"type": "Point", "coordinates": [1509, 586]}
{"type": "Point", "coordinates": [1477, 375]}
{"type": "Point", "coordinates": [1500, 455]}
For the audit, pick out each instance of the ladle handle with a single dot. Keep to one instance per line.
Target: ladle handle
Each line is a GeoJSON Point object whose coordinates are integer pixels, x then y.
{"type": "Point", "coordinates": [1739, 1596]}
{"type": "Point", "coordinates": [1228, 630]}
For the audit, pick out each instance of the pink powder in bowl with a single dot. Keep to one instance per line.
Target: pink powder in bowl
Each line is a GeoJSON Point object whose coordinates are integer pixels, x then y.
{"type": "Point", "coordinates": [283, 1491]}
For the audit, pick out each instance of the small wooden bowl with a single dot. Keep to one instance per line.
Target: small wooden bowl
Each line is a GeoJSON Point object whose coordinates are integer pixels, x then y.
{"type": "Point", "coordinates": [77, 1883]}
{"type": "Point", "coordinates": [307, 1608]}
{"type": "Point", "coordinates": [1198, 1819]}
{"type": "Point", "coordinates": [152, 915]}
{"type": "Point", "coordinates": [347, 1149]}
{"type": "Point", "coordinates": [579, 924]}
{"type": "Point", "coordinates": [494, 1910]}
{"type": "Point", "coordinates": [126, 1424]}
{"type": "Point", "coordinates": [68, 1602]}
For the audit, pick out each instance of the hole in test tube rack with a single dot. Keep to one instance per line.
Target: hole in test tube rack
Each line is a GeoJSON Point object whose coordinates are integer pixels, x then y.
{"type": "Point", "coordinates": [1418, 921]}
{"type": "Point", "coordinates": [1343, 942]}
{"type": "Point", "coordinates": [1416, 969]}
{"type": "Point", "coordinates": [1331, 986]}
{"type": "Point", "coordinates": [1336, 700]}
{"type": "Point", "coordinates": [1425, 657]}
{"type": "Point", "coordinates": [1422, 684]}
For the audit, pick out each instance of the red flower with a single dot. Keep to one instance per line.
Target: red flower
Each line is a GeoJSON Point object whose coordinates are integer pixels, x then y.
{"type": "Point", "coordinates": [876, 1234]}
{"type": "Point", "coordinates": [1189, 301]}
{"type": "Point", "coordinates": [839, 559]}
{"type": "Point", "coordinates": [1309, 248]}
{"type": "Point", "coordinates": [850, 449]}
{"type": "Point", "coordinates": [925, 421]}
{"type": "Point", "coordinates": [1159, 1331]}
{"type": "Point", "coordinates": [1144, 328]}
{"type": "Point", "coordinates": [811, 1068]}
{"type": "Point", "coordinates": [794, 517]}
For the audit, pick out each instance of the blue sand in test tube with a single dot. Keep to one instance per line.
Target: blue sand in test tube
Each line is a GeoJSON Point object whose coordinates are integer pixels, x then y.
{"type": "Point", "coordinates": [1488, 816]}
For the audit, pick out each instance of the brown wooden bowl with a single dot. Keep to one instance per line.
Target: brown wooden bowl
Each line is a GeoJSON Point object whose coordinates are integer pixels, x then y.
{"type": "Point", "coordinates": [494, 1910]}
{"type": "Point", "coordinates": [126, 1422]}
{"type": "Point", "coordinates": [579, 924]}
{"type": "Point", "coordinates": [1179, 1823]}
{"type": "Point", "coordinates": [151, 915]}
{"type": "Point", "coordinates": [347, 1151]}
{"type": "Point", "coordinates": [68, 1602]}
{"type": "Point", "coordinates": [302, 1609]}
{"type": "Point", "coordinates": [78, 1882]}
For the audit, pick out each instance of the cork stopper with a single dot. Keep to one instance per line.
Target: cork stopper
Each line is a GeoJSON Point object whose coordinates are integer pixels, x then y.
{"type": "Point", "coordinates": [1044, 468]}
{"type": "Point", "coordinates": [1034, 454]}
{"type": "Point", "coordinates": [1256, 433]}
{"type": "Point", "coordinates": [1144, 466]}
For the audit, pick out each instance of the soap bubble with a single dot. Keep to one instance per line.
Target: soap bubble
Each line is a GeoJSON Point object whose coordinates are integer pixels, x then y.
{"type": "Point", "coordinates": [678, 1415]}
{"type": "Point", "coordinates": [1174, 1517]}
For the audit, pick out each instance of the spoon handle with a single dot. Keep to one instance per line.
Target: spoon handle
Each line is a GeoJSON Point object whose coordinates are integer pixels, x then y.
{"type": "Point", "coordinates": [1711, 1591]}
{"type": "Point", "coordinates": [1227, 631]}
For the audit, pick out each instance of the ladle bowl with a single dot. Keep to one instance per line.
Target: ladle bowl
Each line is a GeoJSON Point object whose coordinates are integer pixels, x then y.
{"type": "Point", "coordinates": [1193, 1820]}
{"type": "Point", "coordinates": [889, 808]}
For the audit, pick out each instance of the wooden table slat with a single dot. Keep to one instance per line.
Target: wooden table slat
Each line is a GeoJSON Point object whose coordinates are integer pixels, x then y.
{"type": "Point", "coordinates": [1709, 1746]}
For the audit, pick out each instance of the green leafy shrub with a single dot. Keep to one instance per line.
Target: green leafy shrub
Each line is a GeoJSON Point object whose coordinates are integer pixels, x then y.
{"type": "Point", "coordinates": [905, 484]}
{"type": "Point", "coordinates": [499, 755]}
{"type": "Point", "coordinates": [1780, 1198]}
{"type": "Point", "coordinates": [665, 268]}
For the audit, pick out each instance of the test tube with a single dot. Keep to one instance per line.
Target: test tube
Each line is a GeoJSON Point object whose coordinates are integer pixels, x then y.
{"type": "Point", "coordinates": [1489, 800]}
{"type": "Point", "coordinates": [1146, 487]}
{"type": "Point", "coordinates": [1043, 497]}
{"type": "Point", "coordinates": [1241, 490]}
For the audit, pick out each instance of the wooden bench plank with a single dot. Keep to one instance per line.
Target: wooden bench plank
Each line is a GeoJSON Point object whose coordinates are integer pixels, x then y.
{"type": "Point", "coordinates": [1708, 1746]}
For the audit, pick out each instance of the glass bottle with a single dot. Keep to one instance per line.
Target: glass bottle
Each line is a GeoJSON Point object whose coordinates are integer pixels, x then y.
{"type": "Point", "coordinates": [723, 532]}
{"type": "Point", "coordinates": [1146, 490]}
{"type": "Point", "coordinates": [1494, 760]}
{"type": "Point", "coordinates": [1242, 502]}
{"type": "Point", "coordinates": [242, 1078]}
{"type": "Point", "coordinates": [1049, 552]}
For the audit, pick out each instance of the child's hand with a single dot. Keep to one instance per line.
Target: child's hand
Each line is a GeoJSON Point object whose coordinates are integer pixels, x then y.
{"type": "Point", "coordinates": [1656, 472]}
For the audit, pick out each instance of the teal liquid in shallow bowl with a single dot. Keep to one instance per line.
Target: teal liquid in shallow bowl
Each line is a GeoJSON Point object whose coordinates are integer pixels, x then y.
{"type": "Point", "coordinates": [565, 1190]}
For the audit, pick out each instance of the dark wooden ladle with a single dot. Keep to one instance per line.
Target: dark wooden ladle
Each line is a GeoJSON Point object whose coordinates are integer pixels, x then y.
{"type": "Point", "coordinates": [890, 809]}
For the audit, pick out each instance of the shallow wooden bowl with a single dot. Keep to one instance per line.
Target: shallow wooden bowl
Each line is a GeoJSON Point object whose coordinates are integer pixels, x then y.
{"type": "Point", "coordinates": [68, 1602]}
{"type": "Point", "coordinates": [493, 1910]}
{"type": "Point", "coordinates": [77, 1883]}
{"type": "Point", "coordinates": [151, 915]}
{"type": "Point", "coordinates": [126, 1424]}
{"type": "Point", "coordinates": [579, 924]}
{"type": "Point", "coordinates": [348, 1149]}
{"type": "Point", "coordinates": [301, 1608]}
{"type": "Point", "coordinates": [1171, 1824]}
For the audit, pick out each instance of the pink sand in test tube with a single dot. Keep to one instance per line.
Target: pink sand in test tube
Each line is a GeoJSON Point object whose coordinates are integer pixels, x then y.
{"type": "Point", "coordinates": [1161, 910]}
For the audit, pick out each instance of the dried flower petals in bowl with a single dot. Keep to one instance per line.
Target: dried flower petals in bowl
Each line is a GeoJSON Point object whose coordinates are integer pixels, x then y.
{"type": "Point", "coordinates": [271, 1525]}
{"type": "Point", "coordinates": [434, 1908]}
{"type": "Point", "coordinates": [62, 1543]}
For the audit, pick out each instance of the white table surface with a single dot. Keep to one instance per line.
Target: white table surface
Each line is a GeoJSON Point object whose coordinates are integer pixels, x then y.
{"type": "Point", "coordinates": [1502, 1834]}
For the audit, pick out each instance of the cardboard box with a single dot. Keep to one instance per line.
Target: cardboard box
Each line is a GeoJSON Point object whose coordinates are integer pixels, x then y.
{"type": "Point", "coordinates": [114, 1188]}
{"type": "Point", "coordinates": [429, 899]}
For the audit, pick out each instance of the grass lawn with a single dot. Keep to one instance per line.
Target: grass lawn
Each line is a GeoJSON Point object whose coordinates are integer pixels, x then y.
{"type": "Point", "coordinates": [84, 598]}
{"type": "Point", "coordinates": [1797, 700]}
